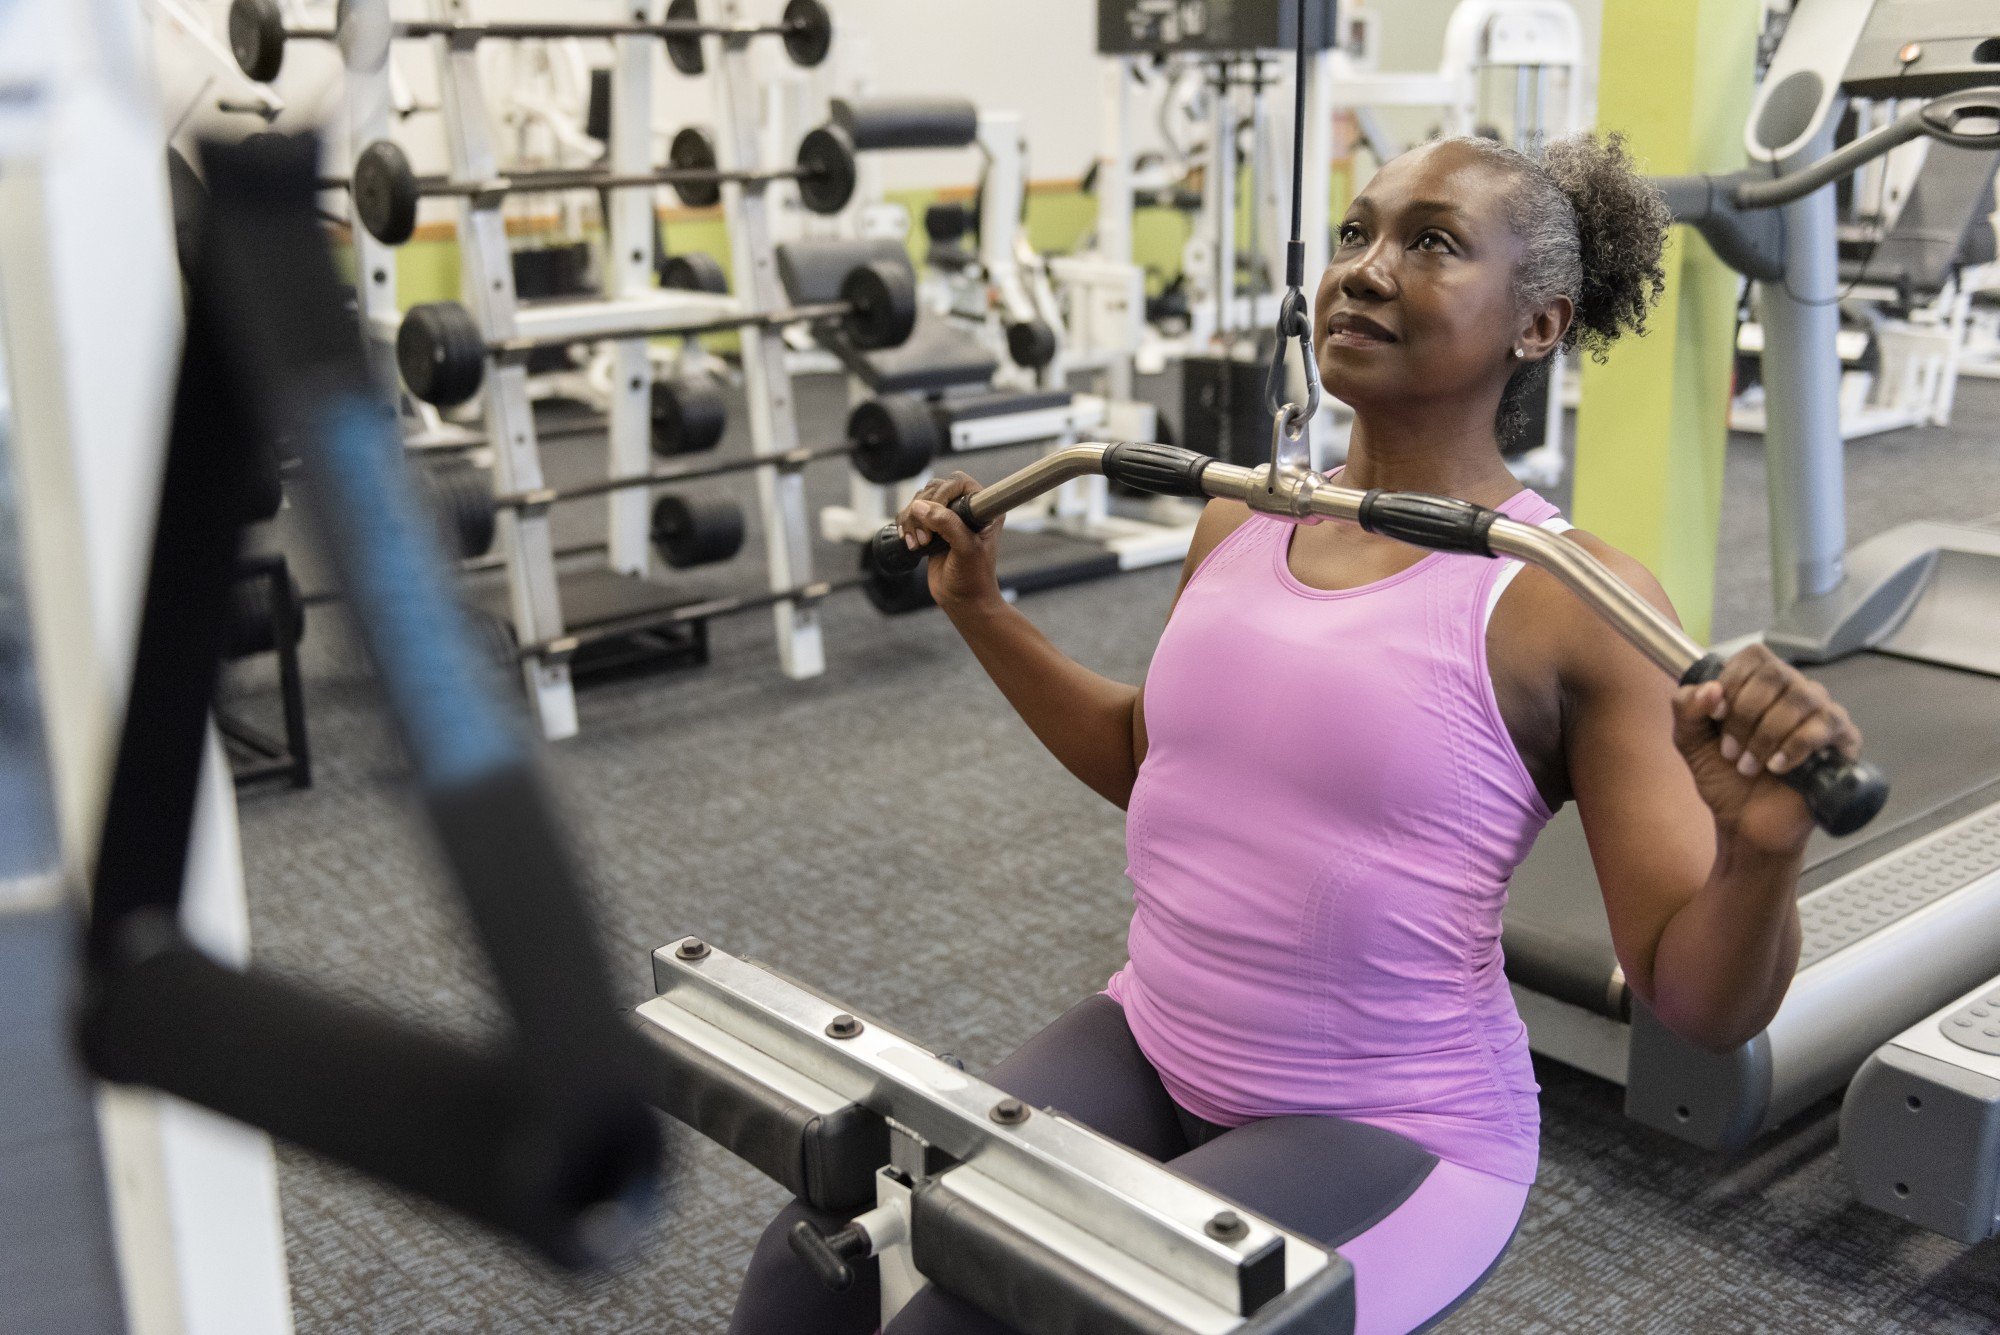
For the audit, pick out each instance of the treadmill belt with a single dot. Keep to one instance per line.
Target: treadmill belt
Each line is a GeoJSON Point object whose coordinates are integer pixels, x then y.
{"type": "Point", "coordinates": [1936, 731]}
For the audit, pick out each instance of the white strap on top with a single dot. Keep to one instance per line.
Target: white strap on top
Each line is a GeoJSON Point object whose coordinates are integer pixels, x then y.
{"type": "Point", "coordinates": [1554, 524]}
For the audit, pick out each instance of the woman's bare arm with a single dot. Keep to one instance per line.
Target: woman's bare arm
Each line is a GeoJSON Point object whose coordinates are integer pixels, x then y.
{"type": "Point", "coordinates": [1093, 725]}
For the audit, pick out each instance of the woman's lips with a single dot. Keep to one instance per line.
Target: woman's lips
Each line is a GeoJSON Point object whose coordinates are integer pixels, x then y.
{"type": "Point", "coordinates": [1357, 338]}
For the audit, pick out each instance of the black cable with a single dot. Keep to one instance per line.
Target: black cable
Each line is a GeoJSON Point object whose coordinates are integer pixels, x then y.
{"type": "Point", "coordinates": [1295, 260]}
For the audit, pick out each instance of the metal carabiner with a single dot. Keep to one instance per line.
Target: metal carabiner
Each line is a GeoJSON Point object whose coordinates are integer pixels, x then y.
{"type": "Point", "coordinates": [1294, 322]}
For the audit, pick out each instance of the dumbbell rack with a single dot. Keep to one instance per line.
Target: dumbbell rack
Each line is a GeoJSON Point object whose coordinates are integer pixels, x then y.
{"type": "Point", "coordinates": [535, 590]}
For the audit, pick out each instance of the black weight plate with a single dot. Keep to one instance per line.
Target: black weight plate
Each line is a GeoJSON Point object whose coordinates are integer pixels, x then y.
{"type": "Point", "coordinates": [946, 223]}
{"type": "Point", "coordinates": [685, 52]}
{"type": "Point", "coordinates": [692, 152]}
{"type": "Point", "coordinates": [256, 625]}
{"type": "Point", "coordinates": [826, 169]}
{"type": "Point", "coordinates": [695, 271]}
{"type": "Point", "coordinates": [882, 296]}
{"type": "Point", "coordinates": [257, 39]}
{"type": "Point", "coordinates": [1031, 344]}
{"type": "Point", "coordinates": [808, 32]}
{"type": "Point", "coordinates": [893, 438]}
{"type": "Point", "coordinates": [385, 192]}
{"type": "Point", "coordinates": [696, 531]}
{"type": "Point", "coordinates": [440, 353]}
{"type": "Point", "coordinates": [893, 595]}
{"type": "Point", "coordinates": [462, 495]}
{"type": "Point", "coordinates": [689, 415]}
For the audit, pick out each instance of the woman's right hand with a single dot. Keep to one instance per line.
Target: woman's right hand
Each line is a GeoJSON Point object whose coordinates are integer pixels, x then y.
{"type": "Point", "coordinates": [966, 573]}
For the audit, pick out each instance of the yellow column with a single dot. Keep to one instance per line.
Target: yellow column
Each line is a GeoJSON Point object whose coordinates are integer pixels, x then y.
{"type": "Point", "coordinates": [1676, 79]}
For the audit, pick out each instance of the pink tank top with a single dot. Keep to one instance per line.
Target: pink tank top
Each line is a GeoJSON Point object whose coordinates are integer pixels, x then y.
{"type": "Point", "coordinates": [1320, 841]}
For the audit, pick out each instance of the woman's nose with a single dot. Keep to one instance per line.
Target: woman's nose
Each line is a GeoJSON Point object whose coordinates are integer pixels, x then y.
{"type": "Point", "coordinates": [1368, 276]}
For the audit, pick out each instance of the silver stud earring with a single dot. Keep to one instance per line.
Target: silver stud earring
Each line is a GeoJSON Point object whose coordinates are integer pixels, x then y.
{"type": "Point", "coordinates": [1520, 353]}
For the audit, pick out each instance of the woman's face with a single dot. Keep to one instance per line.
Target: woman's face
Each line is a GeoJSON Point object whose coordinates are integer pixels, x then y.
{"type": "Point", "coordinates": [1418, 301]}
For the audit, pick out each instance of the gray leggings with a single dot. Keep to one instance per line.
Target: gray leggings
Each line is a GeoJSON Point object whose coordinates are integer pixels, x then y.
{"type": "Point", "coordinates": [1087, 1065]}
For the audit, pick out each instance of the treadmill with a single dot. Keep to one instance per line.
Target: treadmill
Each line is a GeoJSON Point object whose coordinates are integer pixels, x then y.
{"type": "Point", "coordinates": [1904, 631]}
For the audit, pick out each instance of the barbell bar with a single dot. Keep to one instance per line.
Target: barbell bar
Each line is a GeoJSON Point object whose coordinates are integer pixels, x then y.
{"type": "Point", "coordinates": [387, 189]}
{"type": "Point", "coordinates": [258, 33]}
{"type": "Point", "coordinates": [442, 354]}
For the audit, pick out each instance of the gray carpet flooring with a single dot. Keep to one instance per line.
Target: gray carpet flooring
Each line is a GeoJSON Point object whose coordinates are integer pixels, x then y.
{"type": "Point", "coordinates": [890, 832]}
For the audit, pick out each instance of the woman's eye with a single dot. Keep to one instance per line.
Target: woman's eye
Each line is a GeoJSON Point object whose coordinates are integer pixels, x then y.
{"type": "Point", "coordinates": [1435, 242]}
{"type": "Point", "coordinates": [1350, 234]}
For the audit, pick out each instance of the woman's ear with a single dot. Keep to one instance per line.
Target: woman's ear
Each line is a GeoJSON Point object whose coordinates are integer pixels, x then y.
{"type": "Point", "coordinates": [1546, 327]}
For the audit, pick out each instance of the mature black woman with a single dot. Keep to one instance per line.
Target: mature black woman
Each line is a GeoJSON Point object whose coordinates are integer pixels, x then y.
{"type": "Point", "coordinates": [1345, 746]}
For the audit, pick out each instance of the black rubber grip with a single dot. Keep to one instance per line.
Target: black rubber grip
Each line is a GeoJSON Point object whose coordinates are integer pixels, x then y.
{"type": "Point", "coordinates": [1165, 470]}
{"type": "Point", "coordinates": [1441, 523]}
{"type": "Point", "coordinates": [907, 122]}
{"type": "Point", "coordinates": [892, 556]}
{"type": "Point", "coordinates": [1843, 795]}
{"type": "Point", "coordinates": [463, 1127]}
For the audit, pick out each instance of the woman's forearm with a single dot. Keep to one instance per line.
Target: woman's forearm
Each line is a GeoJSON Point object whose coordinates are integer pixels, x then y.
{"type": "Point", "coordinates": [1727, 957]}
{"type": "Point", "coordinates": [1084, 719]}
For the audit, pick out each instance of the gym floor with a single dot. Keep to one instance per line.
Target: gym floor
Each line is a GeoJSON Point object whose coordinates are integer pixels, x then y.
{"type": "Point", "coordinates": [890, 833]}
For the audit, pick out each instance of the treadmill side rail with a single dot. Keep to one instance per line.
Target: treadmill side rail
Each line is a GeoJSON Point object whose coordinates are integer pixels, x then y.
{"type": "Point", "coordinates": [1717, 1100]}
{"type": "Point", "coordinates": [1840, 1008]}
{"type": "Point", "coordinates": [1920, 1139]}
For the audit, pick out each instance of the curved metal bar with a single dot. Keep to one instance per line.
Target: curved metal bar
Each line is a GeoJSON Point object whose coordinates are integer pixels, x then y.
{"type": "Point", "coordinates": [1943, 119]}
{"type": "Point", "coordinates": [1307, 498]}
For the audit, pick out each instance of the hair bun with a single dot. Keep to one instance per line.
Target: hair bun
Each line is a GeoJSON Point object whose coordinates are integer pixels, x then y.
{"type": "Point", "coordinates": [1621, 221]}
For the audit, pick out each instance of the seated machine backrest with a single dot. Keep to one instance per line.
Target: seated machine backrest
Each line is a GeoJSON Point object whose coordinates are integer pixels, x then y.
{"type": "Point", "coordinates": [938, 356]}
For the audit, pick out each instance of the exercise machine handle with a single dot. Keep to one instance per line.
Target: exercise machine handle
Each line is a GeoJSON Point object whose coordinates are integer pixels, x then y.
{"type": "Point", "coordinates": [1843, 795]}
{"type": "Point", "coordinates": [1164, 470]}
{"type": "Point", "coordinates": [892, 556]}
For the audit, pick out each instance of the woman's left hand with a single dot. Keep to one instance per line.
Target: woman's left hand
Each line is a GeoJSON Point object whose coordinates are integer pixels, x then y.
{"type": "Point", "coordinates": [1738, 733]}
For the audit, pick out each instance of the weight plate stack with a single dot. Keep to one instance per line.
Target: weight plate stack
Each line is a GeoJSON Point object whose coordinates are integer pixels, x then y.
{"type": "Point", "coordinates": [696, 531]}
{"type": "Point", "coordinates": [385, 192]}
{"type": "Point", "coordinates": [461, 495]}
{"type": "Point", "coordinates": [883, 297]}
{"type": "Point", "coordinates": [685, 52]}
{"type": "Point", "coordinates": [895, 594]}
{"type": "Point", "coordinates": [826, 169]}
{"type": "Point", "coordinates": [689, 415]}
{"type": "Point", "coordinates": [256, 626]}
{"type": "Point", "coordinates": [808, 32]}
{"type": "Point", "coordinates": [692, 151]}
{"type": "Point", "coordinates": [893, 438]}
{"type": "Point", "coordinates": [695, 271]}
{"type": "Point", "coordinates": [440, 353]}
{"type": "Point", "coordinates": [257, 39]}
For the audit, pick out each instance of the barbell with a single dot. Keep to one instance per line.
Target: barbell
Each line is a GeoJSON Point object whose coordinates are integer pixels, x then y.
{"type": "Point", "coordinates": [442, 354]}
{"type": "Point", "coordinates": [387, 189]}
{"type": "Point", "coordinates": [258, 33]}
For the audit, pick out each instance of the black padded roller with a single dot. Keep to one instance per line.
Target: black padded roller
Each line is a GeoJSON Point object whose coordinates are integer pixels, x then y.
{"type": "Point", "coordinates": [907, 122]}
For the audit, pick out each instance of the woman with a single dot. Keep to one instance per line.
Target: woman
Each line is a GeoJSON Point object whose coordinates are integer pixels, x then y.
{"type": "Point", "coordinates": [1345, 746]}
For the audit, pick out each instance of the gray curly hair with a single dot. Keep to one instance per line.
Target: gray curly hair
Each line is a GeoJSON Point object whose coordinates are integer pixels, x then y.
{"type": "Point", "coordinates": [1592, 229]}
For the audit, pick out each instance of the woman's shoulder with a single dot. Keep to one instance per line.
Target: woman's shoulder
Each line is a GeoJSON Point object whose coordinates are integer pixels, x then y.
{"type": "Point", "coordinates": [1571, 632]}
